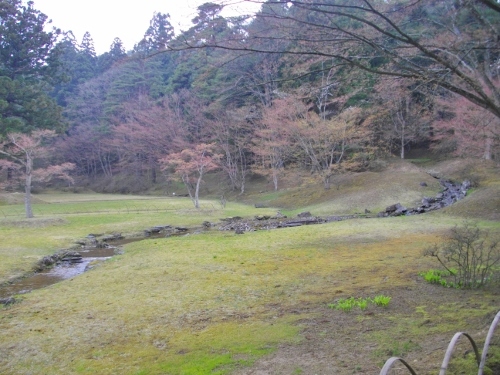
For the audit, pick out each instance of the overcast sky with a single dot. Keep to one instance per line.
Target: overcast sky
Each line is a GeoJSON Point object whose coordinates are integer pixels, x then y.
{"type": "Point", "coordinates": [127, 20]}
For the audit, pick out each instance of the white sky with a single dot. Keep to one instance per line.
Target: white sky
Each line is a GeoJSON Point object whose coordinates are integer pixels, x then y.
{"type": "Point", "coordinates": [127, 20]}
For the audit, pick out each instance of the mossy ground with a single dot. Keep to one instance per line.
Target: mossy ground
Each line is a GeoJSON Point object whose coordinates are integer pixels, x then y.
{"type": "Point", "coordinates": [221, 303]}
{"type": "Point", "coordinates": [61, 219]}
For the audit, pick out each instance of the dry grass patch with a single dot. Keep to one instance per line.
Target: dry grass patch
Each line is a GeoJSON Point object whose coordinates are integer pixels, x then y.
{"type": "Point", "coordinates": [355, 192]}
{"type": "Point", "coordinates": [15, 198]}
{"type": "Point", "coordinates": [483, 201]}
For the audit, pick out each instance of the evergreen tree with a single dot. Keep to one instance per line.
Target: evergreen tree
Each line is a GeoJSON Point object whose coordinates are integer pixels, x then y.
{"type": "Point", "coordinates": [207, 14]}
{"type": "Point", "coordinates": [26, 106]}
{"type": "Point", "coordinates": [116, 50]}
{"type": "Point", "coordinates": [86, 67]}
{"type": "Point", "coordinates": [157, 36]}
{"type": "Point", "coordinates": [107, 59]}
{"type": "Point", "coordinates": [25, 46]}
{"type": "Point", "coordinates": [27, 62]}
{"type": "Point", "coordinates": [87, 45]}
{"type": "Point", "coordinates": [160, 31]}
{"type": "Point", "coordinates": [68, 64]}
{"type": "Point", "coordinates": [208, 23]}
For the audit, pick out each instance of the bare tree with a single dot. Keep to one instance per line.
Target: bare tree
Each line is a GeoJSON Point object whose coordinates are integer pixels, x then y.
{"type": "Point", "coordinates": [425, 41]}
{"type": "Point", "coordinates": [324, 142]}
{"type": "Point", "coordinates": [22, 150]}
{"type": "Point", "coordinates": [190, 165]}
{"type": "Point", "coordinates": [232, 134]}
{"type": "Point", "coordinates": [273, 143]}
{"type": "Point", "coordinates": [470, 130]}
{"type": "Point", "coordinates": [406, 111]}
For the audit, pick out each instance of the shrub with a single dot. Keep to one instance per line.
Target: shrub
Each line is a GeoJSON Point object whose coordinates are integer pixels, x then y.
{"type": "Point", "coordinates": [381, 300]}
{"type": "Point", "coordinates": [468, 254]}
{"type": "Point", "coordinates": [347, 304]}
{"type": "Point", "coordinates": [344, 304]}
{"type": "Point", "coordinates": [362, 304]}
{"type": "Point", "coordinates": [438, 277]}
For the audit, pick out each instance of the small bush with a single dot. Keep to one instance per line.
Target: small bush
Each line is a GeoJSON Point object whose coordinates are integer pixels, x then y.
{"type": "Point", "coordinates": [469, 254]}
{"type": "Point", "coordinates": [362, 304]}
{"type": "Point", "coordinates": [344, 304]}
{"type": "Point", "coordinates": [432, 276]}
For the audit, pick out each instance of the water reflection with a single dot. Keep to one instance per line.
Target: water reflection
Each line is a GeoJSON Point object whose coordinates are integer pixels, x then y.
{"type": "Point", "coordinates": [67, 270]}
{"type": "Point", "coordinates": [62, 271]}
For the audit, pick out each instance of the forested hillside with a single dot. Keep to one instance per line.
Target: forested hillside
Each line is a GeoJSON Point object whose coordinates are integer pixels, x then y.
{"type": "Point", "coordinates": [327, 87]}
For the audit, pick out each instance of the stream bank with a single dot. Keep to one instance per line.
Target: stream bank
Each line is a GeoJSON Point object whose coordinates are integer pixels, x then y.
{"type": "Point", "coordinates": [94, 248]}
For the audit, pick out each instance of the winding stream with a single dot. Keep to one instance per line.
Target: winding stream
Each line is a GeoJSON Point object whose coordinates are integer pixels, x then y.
{"type": "Point", "coordinates": [451, 193]}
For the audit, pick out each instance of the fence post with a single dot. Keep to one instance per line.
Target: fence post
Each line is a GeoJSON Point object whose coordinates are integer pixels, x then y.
{"type": "Point", "coordinates": [451, 346]}
{"type": "Point", "coordinates": [487, 343]}
{"type": "Point", "coordinates": [481, 361]}
{"type": "Point", "coordinates": [388, 364]}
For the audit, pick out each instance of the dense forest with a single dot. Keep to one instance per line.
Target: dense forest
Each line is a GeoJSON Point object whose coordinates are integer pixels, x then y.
{"type": "Point", "coordinates": [325, 86]}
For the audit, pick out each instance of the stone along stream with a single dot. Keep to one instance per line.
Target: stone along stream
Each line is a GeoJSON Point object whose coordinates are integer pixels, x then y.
{"type": "Point", "coordinates": [70, 263]}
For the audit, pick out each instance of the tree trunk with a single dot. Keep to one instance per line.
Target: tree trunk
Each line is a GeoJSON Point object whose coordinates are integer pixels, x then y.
{"type": "Point", "coordinates": [153, 175]}
{"type": "Point", "coordinates": [487, 149]}
{"type": "Point", "coordinates": [27, 187]}
{"type": "Point", "coordinates": [402, 144]}
{"type": "Point", "coordinates": [404, 119]}
{"type": "Point", "coordinates": [197, 192]}
{"type": "Point", "coordinates": [326, 181]}
{"type": "Point", "coordinates": [275, 179]}
{"type": "Point", "coordinates": [242, 187]}
{"type": "Point", "coordinates": [185, 179]}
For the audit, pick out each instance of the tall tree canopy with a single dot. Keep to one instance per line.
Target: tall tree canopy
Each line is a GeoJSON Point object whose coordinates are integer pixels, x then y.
{"type": "Point", "coordinates": [27, 63]}
{"type": "Point", "coordinates": [371, 77]}
{"type": "Point", "coordinates": [25, 46]}
{"type": "Point", "coordinates": [156, 38]}
{"type": "Point", "coordinates": [448, 44]}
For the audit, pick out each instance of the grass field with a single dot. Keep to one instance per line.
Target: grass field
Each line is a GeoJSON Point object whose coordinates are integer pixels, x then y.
{"type": "Point", "coordinates": [221, 303]}
{"type": "Point", "coordinates": [61, 219]}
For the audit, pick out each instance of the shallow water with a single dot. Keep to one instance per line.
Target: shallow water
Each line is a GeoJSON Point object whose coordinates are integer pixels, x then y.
{"type": "Point", "coordinates": [60, 272]}
{"type": "Point", "coordinates": [66, 270]}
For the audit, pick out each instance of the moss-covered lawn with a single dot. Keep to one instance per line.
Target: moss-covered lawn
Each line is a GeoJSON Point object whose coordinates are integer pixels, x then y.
{"type": "Point", "coordinates": [210, 303]}
{"type": "Point", "coordinates": [257, 303]}
{"type": "Point", "coordinates": [61, 219]}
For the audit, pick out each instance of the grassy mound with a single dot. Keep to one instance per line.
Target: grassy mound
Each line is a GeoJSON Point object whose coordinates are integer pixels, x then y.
{"type": "Point", "coordinates": [16, 198]}
{"type": "Point", "coordinates": [399, 182]}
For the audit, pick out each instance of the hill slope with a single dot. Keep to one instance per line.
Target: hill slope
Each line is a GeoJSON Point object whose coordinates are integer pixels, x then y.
{"type": "Point", "coordinates": [399, 182]}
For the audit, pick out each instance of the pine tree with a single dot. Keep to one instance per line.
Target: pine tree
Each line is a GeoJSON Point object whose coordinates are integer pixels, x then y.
{"type": "Point", "coordinates": [27, 62]}
{"type": "Point", "coordinates": [156, 38]}
{"type": "Point", "coordinates": [107, 59]}
{"type": "Point", "coordinates": [87, 59]}
{"type": "Point", "coordinates": [68, 64]}
{"type": "Point", "coordinates": [25, 46]}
